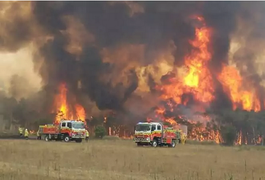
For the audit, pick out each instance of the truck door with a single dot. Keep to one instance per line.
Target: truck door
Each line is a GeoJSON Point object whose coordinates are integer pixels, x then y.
{"type": "Point", "coordinates": [63, 125]}
{"type": "Point", "coordinates": [160, 131]}
{"type": "Point", "coordinates": [153, 127]}
{"type": "Point", "coordinates": [69, 125]}
{"type": "Point", "coordinates": [158, 127]}
{"type": "Point", "coordinates": [69, 128]}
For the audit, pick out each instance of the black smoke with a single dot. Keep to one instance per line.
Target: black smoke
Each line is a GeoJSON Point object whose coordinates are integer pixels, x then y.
{"type": "Point", "coordinates": [112, 25]}
{"type": "Point", "coordinates": [153, 24]}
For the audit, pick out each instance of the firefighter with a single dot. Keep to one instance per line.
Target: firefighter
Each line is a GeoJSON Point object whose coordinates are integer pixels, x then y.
{"type": "Point", "coordinates": [26, 134]}
{"type": "Point", "coordinates": [20, 130]}
{"type": "Point", "coordinates": [38, 135]}
{"type": "Point", "coordinates": [183, 138]}
{"type": "Point", "coordinates": [87, 135]}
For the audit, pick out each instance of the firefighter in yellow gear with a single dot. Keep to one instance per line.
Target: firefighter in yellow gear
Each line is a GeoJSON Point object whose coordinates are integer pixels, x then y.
{"type": "Point", "coordinates": [87, 135]}
{"type": "Point", "coordinates": [20, 130]}
{"type": "Point", "coordinates": [26, 134]}
{"type": "Point", "coordinates": [183, 138]}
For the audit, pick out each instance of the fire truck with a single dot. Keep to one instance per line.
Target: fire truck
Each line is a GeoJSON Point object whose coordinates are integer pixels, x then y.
{"type": "Point", "coordinates": [66, 130]}
{"type": "Point", "coordinates": [156, 134]}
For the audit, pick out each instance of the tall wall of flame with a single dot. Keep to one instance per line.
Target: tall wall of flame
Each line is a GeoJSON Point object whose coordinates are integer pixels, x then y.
{"type": "Point", "coordinates": [114, 55]}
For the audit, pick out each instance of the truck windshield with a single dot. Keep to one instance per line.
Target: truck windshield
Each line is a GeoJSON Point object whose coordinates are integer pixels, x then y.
{"type": "Point", "coordinates": [78, 125]}
{"type": "Point", "coordinates": [142, 127]}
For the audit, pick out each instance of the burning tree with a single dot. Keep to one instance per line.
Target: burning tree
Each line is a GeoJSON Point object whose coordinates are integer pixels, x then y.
{"type": "Point", "coordinates": [188, 63]}
{"type": "Point", "coordinates": [65, 109]}
{"type": "Point", "coordinates": [187, 98]}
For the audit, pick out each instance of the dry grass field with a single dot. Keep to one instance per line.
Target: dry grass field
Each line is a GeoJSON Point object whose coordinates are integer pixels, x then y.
{"type": "Point", "coordinates": [122, 160]}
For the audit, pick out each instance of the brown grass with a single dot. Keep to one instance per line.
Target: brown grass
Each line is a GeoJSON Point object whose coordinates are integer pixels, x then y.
{"type": "Point", "coordinates": [122, 160]}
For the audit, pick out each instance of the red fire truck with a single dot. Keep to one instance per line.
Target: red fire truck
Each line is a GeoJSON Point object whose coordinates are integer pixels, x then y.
{"type": "Point", "coordinates": [67, 130]}
{"type": "Point", "coordinates": [155, 134]}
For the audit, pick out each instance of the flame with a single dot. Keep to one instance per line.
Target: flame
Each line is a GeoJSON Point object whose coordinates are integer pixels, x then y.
{"type": "Point", "coordinates": [65, 110]}
{"type": "Point", "coordinates": [239, 138]}
{"type": "Point", "coordinates": [218, 139]}
{"type": "Point", "coordinates": [160, 114]}
{"type": "Point", "coordinates": [80, 112]}
{"type": "Point", "coordinates": [232, 84]}
{"type": "Point", "coordinates": [198, 79]}
{"type": "Point", "coordinates": [199, 133]}
{"type": "Point", "coordinates": [259, 140]}
{"type": "Point", "coordinates": [198, 76]}
{"type": "Point", "coordinates": [177, 89]}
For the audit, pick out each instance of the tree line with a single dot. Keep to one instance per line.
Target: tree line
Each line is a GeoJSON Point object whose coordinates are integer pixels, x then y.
{"type": "Point", "coordinates": [230, 123]}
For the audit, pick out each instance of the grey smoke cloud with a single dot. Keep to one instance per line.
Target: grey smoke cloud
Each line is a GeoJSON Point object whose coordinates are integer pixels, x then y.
{"type": "Point", "coordinates": [89, 43]}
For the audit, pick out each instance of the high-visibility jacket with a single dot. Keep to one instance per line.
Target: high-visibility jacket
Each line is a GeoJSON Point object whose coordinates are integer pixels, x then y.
{"type": "Point", "coordinates": [183, 138]}
{"type": "Point", "coordinates": [38, 134]}
{"type": "Point", "coordinates": [26, 133]}
{"type": "Point", "coordinates": [87, 133]}
{"type": "Point", "coordinates": [20, 130]}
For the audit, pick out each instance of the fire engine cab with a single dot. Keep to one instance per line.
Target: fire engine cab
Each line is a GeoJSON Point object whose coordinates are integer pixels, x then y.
{"type": "Point", "coordinates": [155, 134]}
{"type": "Point", "coordinates": [67, 130]}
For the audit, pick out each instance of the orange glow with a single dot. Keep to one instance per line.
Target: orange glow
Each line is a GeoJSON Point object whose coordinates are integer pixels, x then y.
{"type": "Point", "coordinates": [198, 76]}
{"type": "Point", "coordinates": [197, 82]}
{"type": "Point", "coordinates": [148, 119]}
{"type": "Point", "coordinates": [218, 138]}
{"type": "Point", "coordinates": [80, 112]}
{"type": "Point", "coordinates": [171, 121]}
{"type": "Point", "coordinates": [65, 110]}
{"type": "Point", "coordinates": [259, 140]}
{"type": "Point", "coordinates": [239, 138]}
{"type": "Point", "coordinates": [197, 133]}
{"type": "Point", "coordinates": [198, 79]}
{"type": "Point", "coordinates": [232, 84]}
{"type": "Point", "coordinates": [160, 111]}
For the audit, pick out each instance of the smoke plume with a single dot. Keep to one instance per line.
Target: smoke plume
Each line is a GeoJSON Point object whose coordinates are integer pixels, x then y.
{"type": "Point", "coordinates": [112, 55]}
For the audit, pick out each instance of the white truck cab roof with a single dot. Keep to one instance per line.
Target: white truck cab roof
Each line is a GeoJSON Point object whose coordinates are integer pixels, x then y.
{"type": "Point", "coordinates": [70, 121]}
{"type": "Point", "coordinates": [150, 123]}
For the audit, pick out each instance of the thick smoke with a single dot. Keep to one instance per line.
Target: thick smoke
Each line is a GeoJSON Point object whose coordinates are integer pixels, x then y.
{"type": "Point", "coordinates": [249, 44]}
{"type": "Point", "coordinates": [114, 54]}
{"type": "Point", "coordinates": [221, 17]}
{"type": "Point", "coordinates": [113, 25]}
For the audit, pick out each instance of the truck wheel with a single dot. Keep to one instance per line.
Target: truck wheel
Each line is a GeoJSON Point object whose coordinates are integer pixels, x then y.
{"type": "Point", "coordinates": [173, 144]}
{"type": "Point", "coordinates": [66, 138]}
{"type": "Point", "coordinates": [46, 138]}
{"type": "Point", "coordinates": [78, 140]}
{"type": "Point", "coordinates": [139, 144]}
{"type": "Point", "coordinates": [154, 143]}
